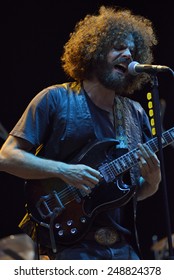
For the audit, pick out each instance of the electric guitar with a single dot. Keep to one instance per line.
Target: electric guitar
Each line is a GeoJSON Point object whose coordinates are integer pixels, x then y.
{"type": "Point", "coordinates": [67, 211]}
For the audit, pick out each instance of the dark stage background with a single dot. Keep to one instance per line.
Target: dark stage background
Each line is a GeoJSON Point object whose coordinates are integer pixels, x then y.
{"type": "Point", "coordinates": [32, 37]}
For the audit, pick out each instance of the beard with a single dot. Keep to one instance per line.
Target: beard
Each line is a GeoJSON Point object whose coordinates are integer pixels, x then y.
{"type": "Point", "coordinates": [112, 79]}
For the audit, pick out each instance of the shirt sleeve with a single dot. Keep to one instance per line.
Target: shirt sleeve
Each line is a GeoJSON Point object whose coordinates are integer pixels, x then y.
{"type": "Point", "coordinates": [35, 121]}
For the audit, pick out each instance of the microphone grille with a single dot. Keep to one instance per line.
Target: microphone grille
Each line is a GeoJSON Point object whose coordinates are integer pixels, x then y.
{"type": "Point", "coordinates": [131, 68]}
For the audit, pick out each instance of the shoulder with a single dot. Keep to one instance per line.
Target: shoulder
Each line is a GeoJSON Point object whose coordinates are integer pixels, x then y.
{"type": "Point", "coordinates": [60, 91]}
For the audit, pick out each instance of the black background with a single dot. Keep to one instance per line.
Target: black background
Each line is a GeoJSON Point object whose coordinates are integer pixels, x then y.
{"type": "Point", "coordinates": [32, 37]}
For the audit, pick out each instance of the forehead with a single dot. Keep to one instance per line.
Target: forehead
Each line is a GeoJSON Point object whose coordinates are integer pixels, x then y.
{"type": "Point", "coordinates": [125, 40]}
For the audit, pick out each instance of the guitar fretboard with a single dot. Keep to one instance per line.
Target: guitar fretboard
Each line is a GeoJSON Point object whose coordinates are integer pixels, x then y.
{"type": "Point", "coordinates": [128, 160]}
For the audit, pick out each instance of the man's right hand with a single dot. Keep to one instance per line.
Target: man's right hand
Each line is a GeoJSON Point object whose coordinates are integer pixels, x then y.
{"type": "Point", "coordinates": [79, 175]}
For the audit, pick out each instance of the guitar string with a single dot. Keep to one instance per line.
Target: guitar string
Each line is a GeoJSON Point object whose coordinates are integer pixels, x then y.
{"type": "Point", "coordinates": [131, 155]}
{"type": "Point", "coordinates": [64, 194]}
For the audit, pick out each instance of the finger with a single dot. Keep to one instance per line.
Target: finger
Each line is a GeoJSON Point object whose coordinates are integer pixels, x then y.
{"type": "Point", "coordinates": [142, 162]}
{"type": "Point", "coordinates": [95, 173]}
{"type": "Point", "coordinates": [89, 184]}
{"type": "Point", "coordinates": [143, 167]}
{"type": "Point", "coordinates": [85, 188]}
{"type": "Point", "coordinates": [92, 175]}
{"type": "Point", "coordinates": [144, 150]}
{"type": "Point", "coordinates": [148, 154]}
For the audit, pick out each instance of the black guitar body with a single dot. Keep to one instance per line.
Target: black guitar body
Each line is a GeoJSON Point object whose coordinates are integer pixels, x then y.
{"type": "Point", "coordinates": [68, 212]}
{"type": "Point", "coordinates": [71, 211]}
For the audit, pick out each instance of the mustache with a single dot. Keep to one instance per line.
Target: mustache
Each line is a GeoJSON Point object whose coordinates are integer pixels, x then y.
{"type": "Point", "coordinates": [122, 60]}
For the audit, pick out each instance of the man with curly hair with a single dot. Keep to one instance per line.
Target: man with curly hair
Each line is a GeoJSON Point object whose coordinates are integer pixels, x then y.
{"type": "Point", "coordinates": [76, 140]}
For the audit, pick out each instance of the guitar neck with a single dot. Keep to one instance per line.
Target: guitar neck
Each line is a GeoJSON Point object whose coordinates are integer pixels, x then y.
{"type": "Point", "coordinates": [167, 139]}
{"type": "Point", "coordinates": [128, 160]}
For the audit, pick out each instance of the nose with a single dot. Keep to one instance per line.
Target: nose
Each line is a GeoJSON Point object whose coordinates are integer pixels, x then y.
{"type": "Point", "coordinates": [127, 53]}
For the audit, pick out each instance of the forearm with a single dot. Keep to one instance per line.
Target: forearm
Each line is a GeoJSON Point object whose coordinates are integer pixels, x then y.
{"type": "Point", "coordinates": [23, 164]}
{"type": "Point", "coordinates": [27, 166]}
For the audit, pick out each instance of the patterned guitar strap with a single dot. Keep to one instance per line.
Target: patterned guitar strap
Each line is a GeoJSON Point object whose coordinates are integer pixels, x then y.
{"type": "Point", "coordinates": [119, 123]}
{"type": "Point", "coordinates": [120, 130]}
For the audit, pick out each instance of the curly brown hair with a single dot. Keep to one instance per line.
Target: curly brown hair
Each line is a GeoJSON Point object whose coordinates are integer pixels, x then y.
{"type": "Point", "coordinates": [95, 34]}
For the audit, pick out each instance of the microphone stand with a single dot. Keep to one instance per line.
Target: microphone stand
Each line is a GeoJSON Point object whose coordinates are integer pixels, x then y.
{"type": "Point", "coordinates": [156, 104]}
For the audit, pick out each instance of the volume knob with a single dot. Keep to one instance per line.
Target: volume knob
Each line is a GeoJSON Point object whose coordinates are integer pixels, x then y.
{"type": "Point", "coordinates": [74, 230]}
{"type": "Point", "coordinates": [83, 220]}
{"type": "Point", "coordinates": [60, 232]}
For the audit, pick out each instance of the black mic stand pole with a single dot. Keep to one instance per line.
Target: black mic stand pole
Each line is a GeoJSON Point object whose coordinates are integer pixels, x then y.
{"type": "Point", "coordinates": [156, 105]}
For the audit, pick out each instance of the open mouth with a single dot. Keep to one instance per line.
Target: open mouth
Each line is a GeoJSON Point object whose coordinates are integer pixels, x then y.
{"type": "Point", "coordinates": [121, 68]}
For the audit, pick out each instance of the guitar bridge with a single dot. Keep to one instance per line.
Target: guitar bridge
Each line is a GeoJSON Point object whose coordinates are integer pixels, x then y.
{"type": "Point", "coordinates": [48, 203]}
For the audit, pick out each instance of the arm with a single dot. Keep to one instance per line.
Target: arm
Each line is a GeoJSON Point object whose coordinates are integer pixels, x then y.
{"type": "Point", "coordinates": [16, 159]}
{"type": "Point", "coordinates": [150, 171]}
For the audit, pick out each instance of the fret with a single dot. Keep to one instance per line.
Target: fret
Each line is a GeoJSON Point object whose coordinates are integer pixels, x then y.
{"type": "Point", "coordinates": [117, 166]}
{"type": "Point", "coordinates": [129, 160]}
{"type": "Point", "coordinates": [134, 156]}
{"type": "Point", "coordinates": [113, 167]}
{"type": "Point", "coordinates": [169, 136]}
{"type": "Point", "coordinates": [121, 162]}
{"type": "Point", "coordinates": [166, 139]}
{"type": "Point", "coordinates": [153, 145]}
{"type": "Point", "coordinates": [107, 172]}
{"type": "Point", "coordinates": [126, 161]}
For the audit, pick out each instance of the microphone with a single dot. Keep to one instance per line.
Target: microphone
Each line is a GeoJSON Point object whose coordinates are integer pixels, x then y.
{"type": "Point", "coordinates": [134, 68]}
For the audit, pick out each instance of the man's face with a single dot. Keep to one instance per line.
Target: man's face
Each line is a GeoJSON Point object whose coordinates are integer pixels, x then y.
{"type": "Point", "coordinates": [112, 72]}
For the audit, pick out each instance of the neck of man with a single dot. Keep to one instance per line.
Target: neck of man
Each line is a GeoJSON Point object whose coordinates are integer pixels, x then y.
{"type": "Point", "coordinates": [100, 96]}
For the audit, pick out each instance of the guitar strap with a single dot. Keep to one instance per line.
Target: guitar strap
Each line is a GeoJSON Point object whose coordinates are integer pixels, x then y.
{"type": "Point", "coordinates": [120, 129]}
{"type": "Point", "coordinates": [119, 123]}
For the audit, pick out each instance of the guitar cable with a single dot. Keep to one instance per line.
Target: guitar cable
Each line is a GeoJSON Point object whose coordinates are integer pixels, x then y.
{"type": "Point", "coordinates": [135, 226]}
{"type": "Point", "coordinates": [54, 214]}
{"type": "Point", "coordinates": [37, 246]}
